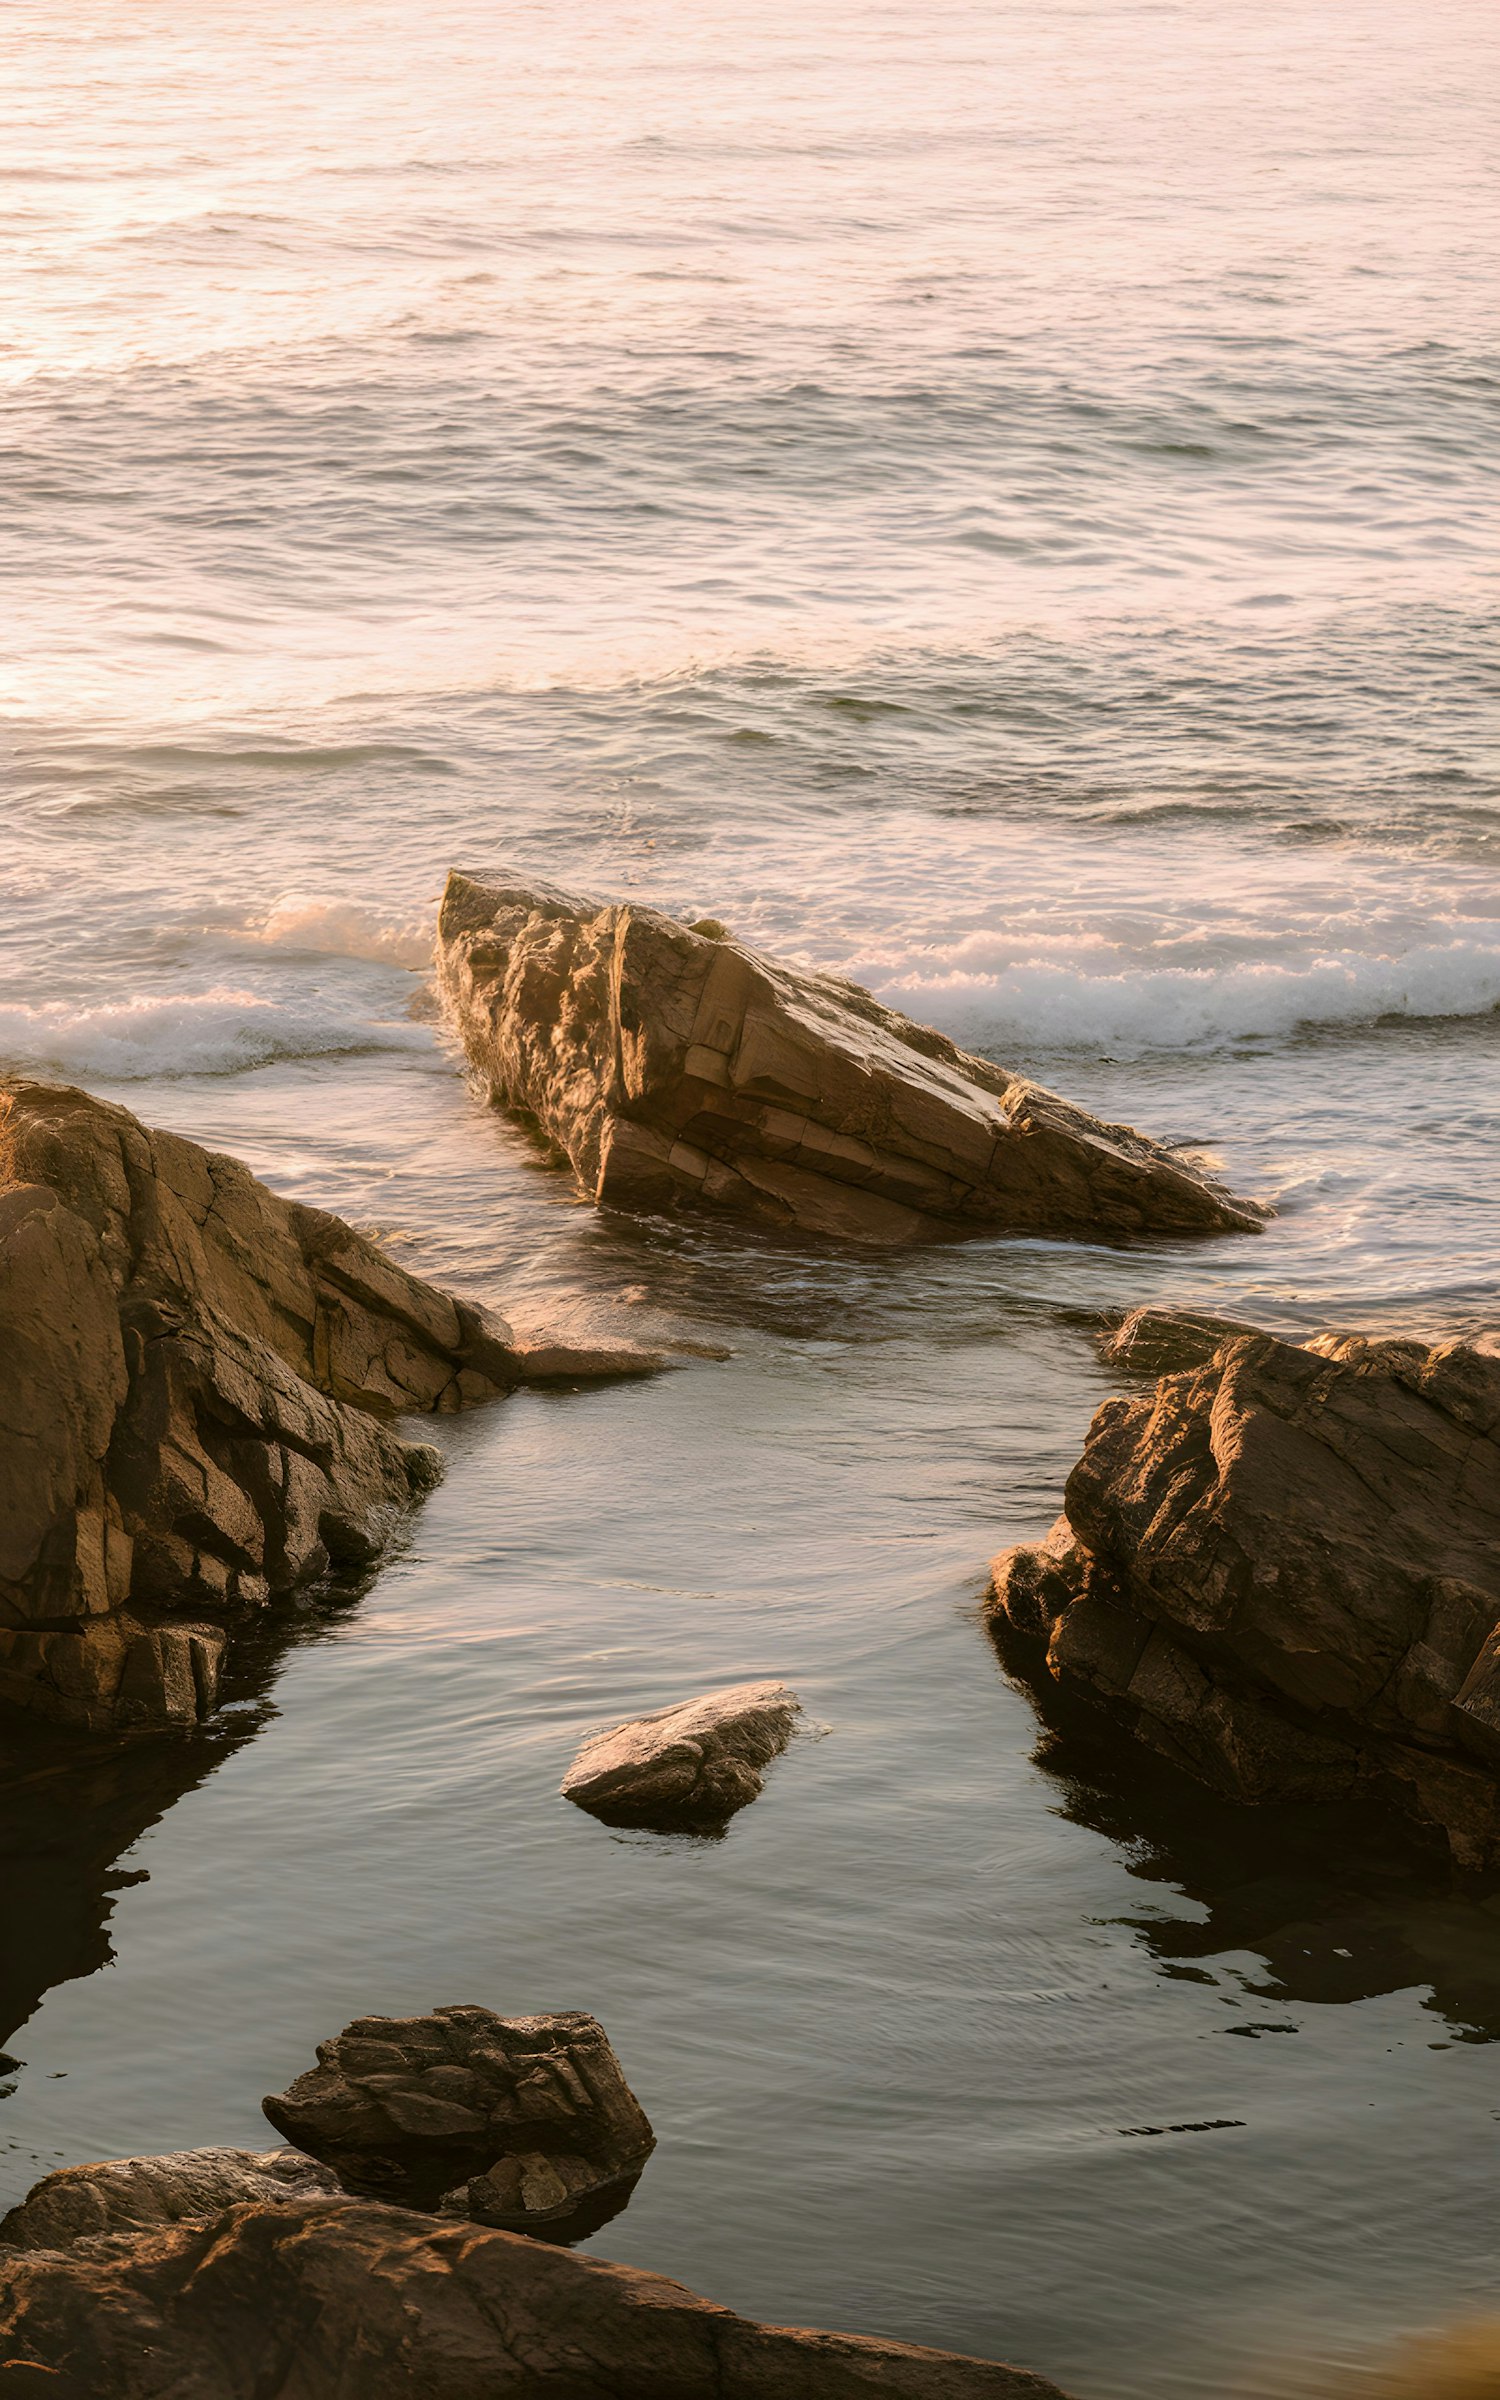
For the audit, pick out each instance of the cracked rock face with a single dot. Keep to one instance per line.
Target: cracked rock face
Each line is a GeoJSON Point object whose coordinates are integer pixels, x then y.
{"type": "Point", "coordinates": [677, 1067]}
{"type": "Point", "coordinates": [1281, 1568]}
{"type": "Point", "coordinates": [335, 2298]}
{"type": "Point", "coordinates": [696, 1763]}
{"type": "Point", "coordinates": [131, 2195]}
{"type": "Point", "coordinates": [515, 2121]}
{"type": "Point", "coordinates": [197, 1378]}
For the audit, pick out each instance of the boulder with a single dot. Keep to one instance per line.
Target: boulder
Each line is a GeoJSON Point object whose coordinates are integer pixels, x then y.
{"type": "Point", "coordinates": [699, 1761]}
{"type": "Point", "coordinates": [199, 1381]}
{"type": "Point", "coordinates": [1157, 1341]}
{"type": "Point", "coordinates": [517, 2121]}
{"type": "Point", "coordinates": [347, 2300]}
{"type": "Point", "coordinates": [129, 2195]}
{"type": "Point", "coordinates": [674, 1066]}
{"type": "Point", "coordinates": [1281, 1568]}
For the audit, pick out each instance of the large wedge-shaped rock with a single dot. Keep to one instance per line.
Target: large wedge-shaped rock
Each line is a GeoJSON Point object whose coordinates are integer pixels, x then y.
{"type": "Point", "coordinates": [346, 2300]}
{"type": "Point", "coordinates": [519, 2121]}
{"type": "Point", "coordinates": [197, 1378]}
{"type": "Point", "coordinates": [1282, 1569]}
{"type": "Point", "coordinates": [693, 1764]}
{"type": "Point", "coordinates": [673, 1066]}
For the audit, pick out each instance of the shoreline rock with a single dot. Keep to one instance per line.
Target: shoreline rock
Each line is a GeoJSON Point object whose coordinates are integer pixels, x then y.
{"type": "Point", "coordinates": [1281, 1569]}
{"type": "Point", "coordinates": [138, 2195]}
{"type": "Point", "coordinates": [515, 2121]}
{"type": "Point", "coordinates": [695, 1763]}
{"type": "Point", "coordinates": [673, 1066]}
{"type": "Point", "coordinates": [333, 2296]}
{"type": "Point", "coordinates": [200, 1378]}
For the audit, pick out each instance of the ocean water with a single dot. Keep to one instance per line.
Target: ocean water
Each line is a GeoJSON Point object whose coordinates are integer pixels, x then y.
{"type": "Point", "coordinates": [998, 500]}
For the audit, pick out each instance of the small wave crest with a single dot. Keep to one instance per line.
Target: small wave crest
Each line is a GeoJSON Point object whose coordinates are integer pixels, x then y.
{"type": "Point", "coordinates": [185, 1033]}
{"type": "Point", "coordinates": [1040, 1003]}
{"type": "Point", "coordinates": [345, 929]}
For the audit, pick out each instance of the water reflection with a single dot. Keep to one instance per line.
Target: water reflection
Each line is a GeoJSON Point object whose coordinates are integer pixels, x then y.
{"type": "Point", "coordinates": [1336, 1902]}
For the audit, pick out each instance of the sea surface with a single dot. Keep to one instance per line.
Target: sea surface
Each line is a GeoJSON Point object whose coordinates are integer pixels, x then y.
{"type": "Point", "coordinates": [999, 500]}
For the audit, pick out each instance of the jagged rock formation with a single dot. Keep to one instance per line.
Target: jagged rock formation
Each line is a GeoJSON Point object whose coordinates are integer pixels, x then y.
{"type": "Point", "coordinates": [697, 1762]}
{"type": "Point", "coordinates": [134, 2195]}
{"type": "Point", "coordinates": [337, 2298]}
{"type": "Point", "coordinates": [674, 1065]}
{"type": "Point", "coordinates": [515, 2121]}
{"type": "Point", "coordinates": [197, 1375]}
{"type": "Point", "coordinates": [1282, 1569]}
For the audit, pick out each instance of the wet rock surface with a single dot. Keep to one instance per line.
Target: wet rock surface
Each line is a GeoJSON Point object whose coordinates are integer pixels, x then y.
{"type": "Point", "coordinates": [1160, 1341]}
{"type": "Point", "coordinates": [695, 1763]}
{"type": "Point", "coordinates": [516, 2121]}
{"type": "Point", "coordinates": [673, 1065]}
{"type": "Point", "coordinates": [335, 2299]}
{"type": "Point", "coordinates": [1281, 1569]}
{"type": "Point", "coordinates": [131, 2195]}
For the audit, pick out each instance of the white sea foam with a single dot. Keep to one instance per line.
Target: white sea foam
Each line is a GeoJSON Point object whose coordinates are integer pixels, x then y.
{"type": "Point", "coordinates": [186, 1033]}
{"type": "Point", "coordinates": [1039, 1001]}
{"type": "Point", "coordinates": [346, 929]}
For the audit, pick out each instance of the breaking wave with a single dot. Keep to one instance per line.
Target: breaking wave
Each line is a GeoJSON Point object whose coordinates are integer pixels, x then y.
{"type": "Point", "coordinates": [346, 929]}
{"type": "Point", "coordinates": [186, 1033]}
{"type": "Point", "coordinates": [1037, 1002]}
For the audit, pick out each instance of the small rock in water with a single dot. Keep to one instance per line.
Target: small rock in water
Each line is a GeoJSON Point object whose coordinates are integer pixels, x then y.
{"type": "Point", "coordinates": [530, 2117]}
{"type": "Point", "coordinates": [699, 1761]}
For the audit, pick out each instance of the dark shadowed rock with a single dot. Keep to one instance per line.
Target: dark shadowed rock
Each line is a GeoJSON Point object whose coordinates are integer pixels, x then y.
{"type": "Point", "coordinates": [199, 1378]}
{"type": "Point", "coordinates": [520, 2120]}
{"type": "Point", "coordinates": [673, 1065]}
{"type": "Point", "coordinates": [344, 2300]}
{"type": "Point", "coordinates": [701, 1760]}
{"type": "Point", "coordinates": [1160, 1341]}
{"type": "Point", "coordinates": [1282, 1569]}
{"type": "Point", "coordinates": [128, 2195]}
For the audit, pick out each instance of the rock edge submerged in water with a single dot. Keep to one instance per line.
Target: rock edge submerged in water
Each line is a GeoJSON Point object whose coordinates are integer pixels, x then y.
{"type": "Point", "coordinates": [337, 2296]}
{"type": "Point", "coordinates": [677, 1066]}
{"type": "Point", "coordinates": [1281, 1568]}
{"type": "Point", "coordinates": [515, 2121]}
{"type": "Point", "coordinates": [699, 1761]}
{"type": "Point", "coordinates": [197, 1377]}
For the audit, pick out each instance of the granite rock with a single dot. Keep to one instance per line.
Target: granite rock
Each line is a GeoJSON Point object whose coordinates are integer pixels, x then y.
{"type": "Point", "coordinates": [698, 1761]}
{"type": "Point", "coordinates": [1158, 1341]}
{"type": "Point", "coordinates": [674, 1066]}
{"type": "Point", "coordinates": [348, 2300]}
{"type": "Point", "coordinates": [518, 2121]}
{"type": "Point", "coordinates": [1281, 1568]}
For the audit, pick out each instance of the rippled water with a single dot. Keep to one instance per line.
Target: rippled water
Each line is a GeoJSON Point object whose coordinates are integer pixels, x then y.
{"type": "Point", "coordinates": [998, 500]}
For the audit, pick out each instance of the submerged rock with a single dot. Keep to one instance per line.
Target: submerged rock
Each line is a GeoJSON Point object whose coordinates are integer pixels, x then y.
{"type": "Point", "coordinates": [519, 2121]}
{"type": "Point", "coordinates": [198, 1378]}
{"type": "Point", "coordinates": [699, 1761]}
{"type": "Point", "coordinates": [673, 1065]}
{"type": "Point", "coordinates": [128, 2195]}
{"type": "Point", "coordinates": [1282, 1569]}
{"type": "Point", "coordinates": [333, 2298]}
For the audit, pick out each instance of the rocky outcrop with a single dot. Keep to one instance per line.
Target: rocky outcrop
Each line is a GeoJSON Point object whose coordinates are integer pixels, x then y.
{"type": "Point", "coordinates": [515, 2121]}
{"type": "Point", "coordinates": [695, 1763]}
{"type": "Point", "coordinates": [346, 2300]}
{"type": "Point", "coordinates": [1282, 1569]}
{"type": "Point", "coordinates": [1158, 1341]}
{"type": "Point", "coordinates": [199, 1378]}
{"type": "Point", "coordinates": [132, 2195]}
{"type": "Point", "coordinates": [673, 1065]}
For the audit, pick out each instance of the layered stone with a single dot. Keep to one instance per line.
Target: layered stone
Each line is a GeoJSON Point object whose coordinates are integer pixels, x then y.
{"type": "Point", "coordinates": [675, 1066]}
{"type": "Point", "coordinates": [1282, 1568]}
